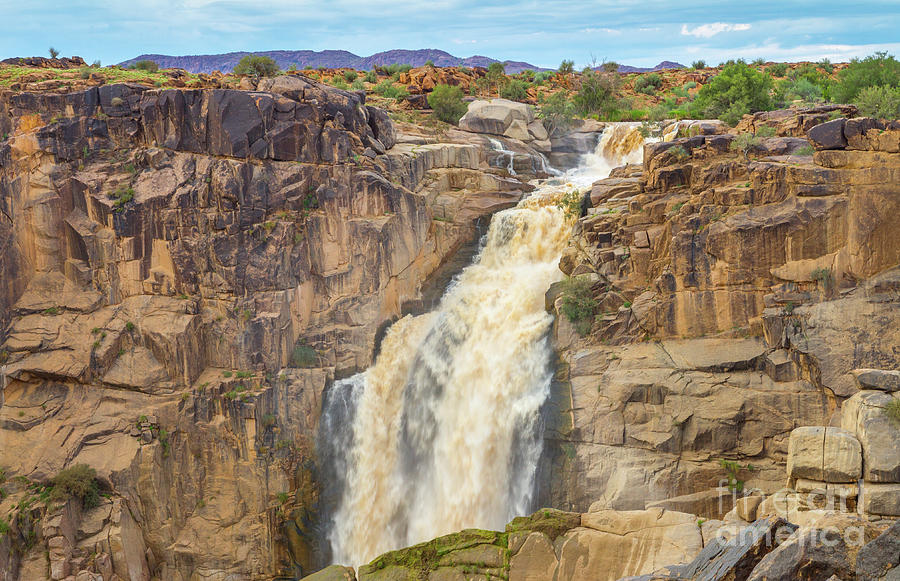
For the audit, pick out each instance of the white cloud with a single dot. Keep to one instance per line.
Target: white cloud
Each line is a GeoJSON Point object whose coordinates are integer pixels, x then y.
{"type": "Point", "coordinates": [710, 30]}
{"type": "Point", "coordinates": [603, 30]}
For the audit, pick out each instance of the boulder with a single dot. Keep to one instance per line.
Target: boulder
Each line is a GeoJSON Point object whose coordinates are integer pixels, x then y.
{"type": "Point", "coordinates": [865, 415]}
{"type": "Point", "coordinates": [880, 557]}
{"type": "Point", "coordinates": [824, 454]}
{"type": "Point", "coordinates": [879, 379]}
{"type": "Point", "coordinates": [828, 135]}
{"type": "Point", "coordinates": [808, 555]}
{"type": "Point", "coordinates": [496, 116]}
{"type": "Point", "coordinates": [881, 499]}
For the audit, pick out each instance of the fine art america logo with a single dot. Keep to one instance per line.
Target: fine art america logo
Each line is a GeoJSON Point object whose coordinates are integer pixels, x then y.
{"type": "Point", "coordinates": [787, 508]}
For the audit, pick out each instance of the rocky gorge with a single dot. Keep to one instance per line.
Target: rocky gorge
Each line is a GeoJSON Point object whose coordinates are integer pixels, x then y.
{"type": "Point", "coordinates": [186, 272]}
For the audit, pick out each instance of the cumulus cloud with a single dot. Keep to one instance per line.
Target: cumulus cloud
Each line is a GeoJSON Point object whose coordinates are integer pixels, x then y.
{"type": "Point", "coordinates": [712, 29]}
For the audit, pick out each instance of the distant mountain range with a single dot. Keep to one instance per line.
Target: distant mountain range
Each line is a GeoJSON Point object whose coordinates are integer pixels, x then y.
{"type": "Point", "coordinates": [334, 59]}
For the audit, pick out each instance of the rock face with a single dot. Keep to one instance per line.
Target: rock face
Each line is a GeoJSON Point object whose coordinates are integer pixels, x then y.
{"type": "Point", "coordinates": [184, 273]}
{"type": "Point", "coordinates": [740, 303]}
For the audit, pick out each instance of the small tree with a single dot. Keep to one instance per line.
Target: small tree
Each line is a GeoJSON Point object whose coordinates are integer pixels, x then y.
{"type": "Point", "coordinates": [429, 63]}
{"type": "Point", "coordinates": [256, 66]}
{"type": "Point", "coordinates": [496, 75]}
{"type": "Point", "coordinates": [446, 100]}
{"type": "Point", "coordinates": [557, 113]}
{"type": "Point", "coordinates": [567, 67]}
{"type": "Point", "coordinates": [53, 53]}
{"type": "Point", "coordinates": [597, 92]}
{"type": "Point", "coordinates": [699, 65]}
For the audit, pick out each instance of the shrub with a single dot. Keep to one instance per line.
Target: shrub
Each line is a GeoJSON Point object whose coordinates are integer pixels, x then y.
{"type": "Point", "coordinates": [826, 66]}
{"type": "Point", "coordinates": [648, 83]}
{"type": "Point", "coordinates": [578, 303]}
{"type": "Point", "coordinates": [765, 131]}
{"type": "Point", "coordinates": [610, 67]}
{"type": "Point", "coordinates": [758, 62]}
{"type": "Point", "coordinates": [515, 90]}
{"type": "Point", "coordinates": [778, 69]}
{"type": "Point", "coordinates": [350, 76]}
{"type": "Point", "coordinates": [882, 102]}
{"type": "Point", "coordinates": [446, 100]}
{"type": "Point", "coordinates": [146, 66]}
{"type": "Point", "coordinates": [429, 63]}
{"type": "Point", "coordinates": [892, 409]}
{"type": "Point", "coordinates": [78, 481]}
{"type": "Point", "coordinates": [358, 85]}
{"type": "Point", "coordinates": [542, 76]}
{"type": "Point", "coordinates": [737, 90]}
{"type": "Point", "coordinates": [304, 356]}
{"type": "Point", "coordinates": [566, 67]}
{"type": "Point", "coordinates": [53, 53]}
{"type": "Point", "coordinates": [387, 89]}
{"type": "Point", "coordinates": [597, 92]}
{"type": "Point", "coordinates": [876, 70]}
{"type": "Point", "coordinates": [557, 113]}
{"type": "Point", "coordinates": [570, 203]}
{"type": "Point", "coordinates": [371, 77]}
{"type": "Point", "coordinates": [699, 65]}
{"type": "Point", "coordinates": [256, 66]}
{"type": "Point", "coordinates": [744, 143]}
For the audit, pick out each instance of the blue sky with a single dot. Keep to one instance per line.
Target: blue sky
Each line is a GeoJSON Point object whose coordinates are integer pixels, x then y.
{"type": "Point", "coordinates": [540, 32]}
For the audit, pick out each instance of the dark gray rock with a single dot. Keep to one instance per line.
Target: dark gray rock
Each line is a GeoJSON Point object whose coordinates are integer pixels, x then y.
{"type": "Point", "coordinates": [829, 135]}
{"type": "Point", "coordinates": [880, 557]}
{"type": "Point", "coordinates": [808, 555]}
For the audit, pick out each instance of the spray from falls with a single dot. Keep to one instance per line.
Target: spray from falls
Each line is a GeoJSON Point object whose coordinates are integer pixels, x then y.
{"type": "Point", "coordinates": [443, 431]}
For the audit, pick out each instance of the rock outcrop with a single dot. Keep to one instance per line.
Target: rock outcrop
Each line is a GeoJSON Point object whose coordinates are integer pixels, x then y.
{"type": "Point", "coordinates": [184, 273]}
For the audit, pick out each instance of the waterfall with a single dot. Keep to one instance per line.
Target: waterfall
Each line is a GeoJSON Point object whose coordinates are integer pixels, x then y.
{"type": "Point", "coordinates": [443, 431]}
{"type": "Point", "coordinates": [497, 145]}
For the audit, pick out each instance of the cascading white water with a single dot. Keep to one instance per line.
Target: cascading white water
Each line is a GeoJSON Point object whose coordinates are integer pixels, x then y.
{"type": "Point", "coordinates": [497, 145]}
{"type": "Point", "coordinates": [442, 432]}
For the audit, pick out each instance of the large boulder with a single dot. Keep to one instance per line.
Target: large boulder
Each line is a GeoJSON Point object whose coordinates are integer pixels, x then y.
{"type": "Point", "coordinates": [879, 379]}
{"type": "Point", "coordinates": [829, 135]}
{"type": "Point", "coordinates": [824, 454]}
{"type": "Point", "coordinates": [866, 416]}
{"type": "Point", "coordinates": [497, 117]}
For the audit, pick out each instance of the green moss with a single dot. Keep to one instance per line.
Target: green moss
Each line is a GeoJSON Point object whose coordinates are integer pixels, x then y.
{"type": "Point", "coordinates": [420, 559]}
{"type": "Point", "coordinates": [549, 521]}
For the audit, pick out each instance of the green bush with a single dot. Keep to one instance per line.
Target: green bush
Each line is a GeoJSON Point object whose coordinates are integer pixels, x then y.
{"type": "Point", "coordinates": [566, 67]}
{"type": "Point", "coordinates": [876, 70]}
{"type": "Point", "coordinates": [758, 62]}
{"type": "Point", "coordinates": [542, 76]}
{"type": "Point", "coordinates": [882, 102]}
{"type": "Point", "coordinates": [578, 303]}
{"type": "Point", "coordinates": [515, 90]}
{"type": "Point", "coordinates": [597, 92]}
{"type": "Point", "coordinates": [826, 66]}
{"type": "Point", "coordinates": [371, 77]}
{"type": "Point", "coordinates": [350, 76]}
{"type": "Point", "coordinates": [78, 481]}
{"type": "Point", "coordinates": [737, 90]}
{"type": "Point", "coordinates": [256, 66]}
{"type": "Point", "coordinates": [146, 65]}
{"type": "Point", "coordinates": [557, 113]}
{"type": "Point", "coordinates": [446, 100]}
{"type": "Point", "coordinates": [699, 65]}
{"type": "Point", "coordinates": [429, 63]}
{"type": "Point", "coordinates": [801, 88]}
{"type": "Point", "coordinates": [396, 69]}
{"type": "Point", "coordinates": [648, 83]}
{"type": "Point", "coordinates": [387, 89]}
{"type": "Point", "coordinates": [778, 70]}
